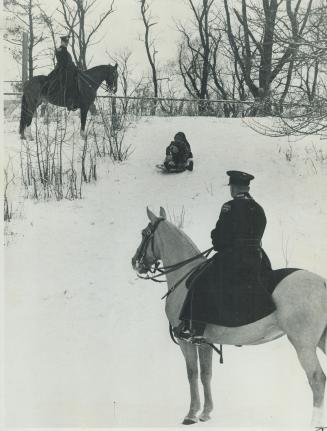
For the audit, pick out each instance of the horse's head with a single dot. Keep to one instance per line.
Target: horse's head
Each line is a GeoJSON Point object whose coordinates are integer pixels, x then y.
{"type": "Point", "coordinates": [112, 78]}
{"type": "Point", "coordinates": [147, 253]}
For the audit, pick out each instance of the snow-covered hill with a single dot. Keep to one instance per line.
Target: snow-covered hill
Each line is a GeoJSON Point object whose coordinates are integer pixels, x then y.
{"type": "Point", "coordinates": [86, 341]}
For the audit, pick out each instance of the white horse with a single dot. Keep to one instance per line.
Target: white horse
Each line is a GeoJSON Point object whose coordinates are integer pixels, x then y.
{"type": "Point", "coordinates": [301, 314]}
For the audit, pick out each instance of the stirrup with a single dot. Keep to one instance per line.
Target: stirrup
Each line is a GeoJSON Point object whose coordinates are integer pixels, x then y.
{"type": "Point", "coordinates": [198, 340]}
{"type": "Point", "coordinates": [185, 335]}
{"type": "Point", "coordinates": [178, 329]}
{"type": "Point", "coordinates": [190, 337]}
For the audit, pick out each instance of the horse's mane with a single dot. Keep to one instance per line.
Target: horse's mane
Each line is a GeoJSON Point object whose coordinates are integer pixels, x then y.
{"type": "Point", "coordinates": [98, 67]}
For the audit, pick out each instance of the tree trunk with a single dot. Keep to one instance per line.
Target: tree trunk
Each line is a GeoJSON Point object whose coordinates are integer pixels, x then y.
{"type": "Point", "coordinates": [151, 57]}
{"type": "Point", "coordinates": [31, 41]}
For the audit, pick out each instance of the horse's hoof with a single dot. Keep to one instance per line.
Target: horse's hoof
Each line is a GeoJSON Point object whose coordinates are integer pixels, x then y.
{"type": "Point", "coordinates": [204, 418]}
{"type": "Point", "coordinates": [189, 421]}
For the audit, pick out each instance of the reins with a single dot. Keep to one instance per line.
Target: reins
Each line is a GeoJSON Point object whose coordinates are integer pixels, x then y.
{"type": "Point", "coordinates": [86, 78]}
{"type": "Point", "coordinates": [189, 273]}
{"type": "Point", "coordinates": [171, 268]}
{"type": "Point", "coordinates": [164, 270]}
{"type": "Point", "coordinates": [148, 233]}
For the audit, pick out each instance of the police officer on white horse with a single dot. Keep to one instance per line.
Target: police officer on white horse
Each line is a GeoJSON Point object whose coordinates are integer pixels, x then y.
{"type": "Point", "coordinates": [229, 290]}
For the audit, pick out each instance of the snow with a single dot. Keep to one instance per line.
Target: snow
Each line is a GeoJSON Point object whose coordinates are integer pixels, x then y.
{"type": "Point", "coordinates": [87, 342]}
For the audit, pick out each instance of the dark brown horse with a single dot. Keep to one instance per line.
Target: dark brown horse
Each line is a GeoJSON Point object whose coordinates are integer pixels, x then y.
{"type": "Point", "coordinates": [35, 92]}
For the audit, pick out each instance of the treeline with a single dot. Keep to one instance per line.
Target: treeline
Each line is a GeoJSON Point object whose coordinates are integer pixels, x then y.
{"type": "Point", "coordinates": [273, 52]}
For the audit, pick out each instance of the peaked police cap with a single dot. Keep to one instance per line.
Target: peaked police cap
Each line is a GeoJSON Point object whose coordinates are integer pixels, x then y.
{"type": "Point", "coordinates": [239, 178]}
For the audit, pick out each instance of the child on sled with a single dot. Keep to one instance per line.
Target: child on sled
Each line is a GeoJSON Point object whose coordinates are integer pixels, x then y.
{"type": "Point", "coordinates": [179, 156]}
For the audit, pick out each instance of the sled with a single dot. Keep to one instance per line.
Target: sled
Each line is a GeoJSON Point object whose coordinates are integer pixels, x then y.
{"type": "Point", "coordinates": [162, 168]}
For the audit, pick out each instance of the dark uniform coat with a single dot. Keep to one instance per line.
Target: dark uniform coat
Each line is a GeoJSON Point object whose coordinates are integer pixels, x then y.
{"type": "Point", "coordinates": [229, 290]}
{"type": "Point", "coordinates": [62, 81]}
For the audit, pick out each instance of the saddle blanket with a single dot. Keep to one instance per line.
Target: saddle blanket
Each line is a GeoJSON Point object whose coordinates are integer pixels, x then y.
{"type": "Point", "coordinates": [230, 306]}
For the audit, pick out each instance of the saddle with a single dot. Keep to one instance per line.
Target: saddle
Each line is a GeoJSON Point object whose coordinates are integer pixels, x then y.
{"type": "Point", "coordinates": [63, 92]}
{"type": "Point", "coordinates": [211, 299]}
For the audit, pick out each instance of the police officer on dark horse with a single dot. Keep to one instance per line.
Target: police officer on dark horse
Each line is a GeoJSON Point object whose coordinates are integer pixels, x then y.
{"type": "Point", "coordinates": [65, 86]}
{"type": "Point", "coordinates": [62, 81]}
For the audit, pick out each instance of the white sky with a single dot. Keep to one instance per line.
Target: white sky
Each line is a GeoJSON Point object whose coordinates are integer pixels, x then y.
{"type": "Point", "coordinates": [123, 30]}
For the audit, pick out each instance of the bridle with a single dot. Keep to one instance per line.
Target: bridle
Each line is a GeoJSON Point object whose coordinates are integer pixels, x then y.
{"type": "Point", "coordinates": [148, 238]}
{"type": "Point", "coordinates": [154, 268]}
{"type": "Point", "coordinates": [112, 87]}
{"type": "Point", "coordinates": [89, 81]}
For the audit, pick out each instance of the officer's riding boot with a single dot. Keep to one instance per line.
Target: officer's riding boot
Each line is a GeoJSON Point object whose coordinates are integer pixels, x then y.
{"type": "Point", "coordinates": [197, 328]}
{"type": "Point", "coordinates": [191, 330]}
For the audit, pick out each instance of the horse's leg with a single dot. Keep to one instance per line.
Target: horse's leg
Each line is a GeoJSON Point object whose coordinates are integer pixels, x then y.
{"type": "Point", "coordinates": [28, 120]}
{"type": "Point", "coordinates": [29, 133]}
{"type": "Point", "coordinates": [191, 357]}
{"type": "Point", "coordinates": [323, 342]}
{"type": "Point", "coordinates": [33, 108]}
{"type": "Point", "coordinates": [205, 356]}
{"type": "Point", "coordinates": [84, 111]}
{"type": "Point", "coordinates": [307, 354]}
{"type": "Point", "coordinates": [302, 314]}
{"type": "Point", "coordinates": [22, 124]}
{"type": "Point", "coordinates": [28, 108]}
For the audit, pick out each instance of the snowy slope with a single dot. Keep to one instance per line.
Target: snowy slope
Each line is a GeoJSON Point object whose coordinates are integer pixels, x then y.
{"type": "Point", "coordinates": [87, 342]}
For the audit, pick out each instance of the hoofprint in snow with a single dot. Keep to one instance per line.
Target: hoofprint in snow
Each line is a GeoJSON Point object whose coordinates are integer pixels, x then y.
{"type": "Point", "coordinates": [86, 341]}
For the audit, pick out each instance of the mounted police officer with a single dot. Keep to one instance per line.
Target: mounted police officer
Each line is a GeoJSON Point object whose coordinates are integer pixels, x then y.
{"type": "Point", "coordinates": [229, 290]}
{"type": "Point", "coordinates": [62, 81]}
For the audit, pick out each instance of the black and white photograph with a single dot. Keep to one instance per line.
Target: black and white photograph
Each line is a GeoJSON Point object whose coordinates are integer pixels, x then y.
{"type": "Point", "coordinates": [164, 189]}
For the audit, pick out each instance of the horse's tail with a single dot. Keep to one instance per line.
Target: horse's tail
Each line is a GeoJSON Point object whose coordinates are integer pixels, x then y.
{"type": "Point", "coordinates": [23, 113]}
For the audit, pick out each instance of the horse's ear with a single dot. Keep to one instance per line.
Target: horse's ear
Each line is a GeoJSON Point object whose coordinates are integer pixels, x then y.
{"type": "Point", "coordinates": [151, 216]}
{"type": "Point", "coordinates": [163, 213]}
{"type": "Point", "coordinates": [116, 66]}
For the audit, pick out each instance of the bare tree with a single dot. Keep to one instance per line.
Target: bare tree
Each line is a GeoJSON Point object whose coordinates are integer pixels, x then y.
{"type": "Point", "coordinates": [128, 85]}
{"type": "Point", "coordinates": [170, 88]}
{"type": "Point", "coordinates": [227, 79]}
{"type": "Point", "coordinates": [268, 43]}
{"type": "Point", "coordinates": [9, 178]}
{"type": "Point", "coordinates": [306, 109]}
{"type": "Point", "coordinates": [151, 51]}
{"type": "Point", "coordinates": [75, 14]}
{"type": "Point", "coordinates": [312, 59]}
{"type": "Point", "coordinates": [53, 28]}
{"type": "Point", "coordinates": [24, 17]}
{"type": "Point", "coordinates": [197, 52]}
{"type": "Point", "coordinates": [206, 63]}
